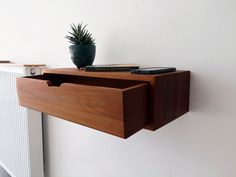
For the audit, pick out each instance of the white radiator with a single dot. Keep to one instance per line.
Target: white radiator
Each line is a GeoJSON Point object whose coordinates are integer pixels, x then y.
{"type": "Point", "coordinates": [21, 143]}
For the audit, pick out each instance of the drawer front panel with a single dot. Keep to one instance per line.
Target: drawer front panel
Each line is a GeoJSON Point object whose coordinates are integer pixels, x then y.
{"type": "Point", "coordinates": [101, 108]}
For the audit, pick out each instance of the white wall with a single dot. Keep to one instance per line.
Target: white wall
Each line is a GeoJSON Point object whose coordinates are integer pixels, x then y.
{"type": "Point", "coordinates": [196, 35]}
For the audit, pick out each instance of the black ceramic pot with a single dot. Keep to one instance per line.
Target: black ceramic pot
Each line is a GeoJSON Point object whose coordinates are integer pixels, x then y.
{"type": "Point", "coordinates": [82, 55]}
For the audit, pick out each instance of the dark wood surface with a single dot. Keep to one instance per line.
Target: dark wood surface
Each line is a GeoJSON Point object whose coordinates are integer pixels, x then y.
{"type": "Point", "coordinates": [119, 103]}
{"type": "Point", "coordinates": [112, 106]}
{"type": "Point", "coordinates": [113, 75]}
{"type": "Point", "coordinates": [170, 98]}
{"type": "Point", "coordinates": [168, 92]}
{"type": "Point", "coordinates": [4, 61]}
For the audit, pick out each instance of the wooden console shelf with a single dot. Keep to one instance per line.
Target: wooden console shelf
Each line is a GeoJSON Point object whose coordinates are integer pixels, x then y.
{"type": "Point", "coordinates": [118, 103]}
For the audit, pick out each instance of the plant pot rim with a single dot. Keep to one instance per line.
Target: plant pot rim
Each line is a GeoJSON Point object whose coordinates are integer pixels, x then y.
{"type": "Point", "coordinates": [83, 45]}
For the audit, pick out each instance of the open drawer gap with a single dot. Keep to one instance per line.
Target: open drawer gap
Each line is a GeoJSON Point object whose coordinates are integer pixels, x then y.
{"type": "Point", "coordinates": [58, 79]}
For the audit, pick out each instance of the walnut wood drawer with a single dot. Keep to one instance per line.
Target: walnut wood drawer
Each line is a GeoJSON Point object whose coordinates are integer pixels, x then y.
{"type": "Point", "coordinates": [115, 106]}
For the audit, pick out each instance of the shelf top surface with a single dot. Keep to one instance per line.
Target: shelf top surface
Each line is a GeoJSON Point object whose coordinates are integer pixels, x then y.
{"type": "Point", "coordinates": [114, 74]}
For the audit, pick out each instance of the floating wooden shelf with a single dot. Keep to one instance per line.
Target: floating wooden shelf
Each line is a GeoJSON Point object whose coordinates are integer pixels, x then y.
{"type": "Point", "coordinates": [5, 61]}
{"type": "Point", "coordinates": [118, 103]}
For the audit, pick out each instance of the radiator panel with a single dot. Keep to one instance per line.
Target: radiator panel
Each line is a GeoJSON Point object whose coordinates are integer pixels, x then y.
{"type": "Point", "coordinates": [21, 149]}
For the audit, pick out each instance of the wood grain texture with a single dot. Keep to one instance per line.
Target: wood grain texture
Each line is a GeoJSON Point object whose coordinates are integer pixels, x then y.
{"type": "Point", "coordinates": [168, 92]}
{"type": "Point", "coordinates": [136, 109]}
{"type": "Point", "coordinates": [113, 75]}
{"type": "Point", "coordinates": [105, 106]}
{"type": "Point", "coordinates": [170, 98]}
{"type": "Point", "coordinates": [119, 103]}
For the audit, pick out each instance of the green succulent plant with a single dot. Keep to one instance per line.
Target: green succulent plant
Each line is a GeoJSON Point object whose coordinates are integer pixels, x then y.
{"type": "Point", "coordinates": [80, 35]}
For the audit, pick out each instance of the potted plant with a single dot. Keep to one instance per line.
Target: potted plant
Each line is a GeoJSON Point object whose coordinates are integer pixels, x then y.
{"type": "Point", "coordinates": [83, 47]}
